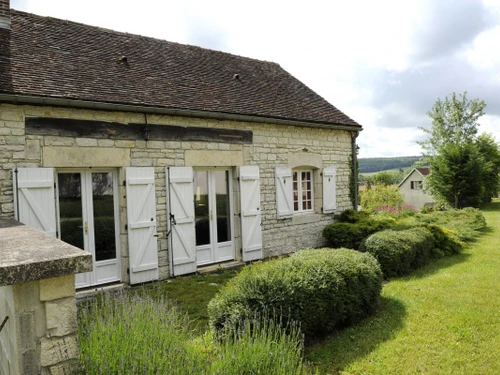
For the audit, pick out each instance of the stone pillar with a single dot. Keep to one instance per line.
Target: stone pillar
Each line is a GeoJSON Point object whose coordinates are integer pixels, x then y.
{"type": "Point", "coordinates": [37, 296]}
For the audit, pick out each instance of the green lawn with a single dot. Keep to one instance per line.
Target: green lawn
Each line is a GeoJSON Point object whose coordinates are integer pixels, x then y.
{"type": "Point", "coordinates": [443, 319]}
{"type": "Point", "coordinates": [192, 293]}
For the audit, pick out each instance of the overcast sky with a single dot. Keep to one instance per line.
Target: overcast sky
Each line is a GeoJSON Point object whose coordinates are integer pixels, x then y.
{"type": "Point", "coordinates": [384, 63]}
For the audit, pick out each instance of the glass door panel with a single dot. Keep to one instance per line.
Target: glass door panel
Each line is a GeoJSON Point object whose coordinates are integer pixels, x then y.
{"type": "Point", "coordinates": [104, 215]}
{"type": "Point", "coordinates": [201, 208]}
{"type": "Point", "coordinates": [212, 202]}
{"type": "Point", "coordinates": [70, 209]}
{"type": "Point", "coordinates": [87, 219]}
{"type": "Point", "coordinates": [222, 206]}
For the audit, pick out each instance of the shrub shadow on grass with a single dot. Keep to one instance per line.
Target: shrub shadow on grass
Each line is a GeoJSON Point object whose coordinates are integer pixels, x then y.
{"type": "Point", "coordinates": [435, 266]}
{"type": "Point", "coordinates": [492, 206]}
{"type": "Point", "coordinates": [337, 351]}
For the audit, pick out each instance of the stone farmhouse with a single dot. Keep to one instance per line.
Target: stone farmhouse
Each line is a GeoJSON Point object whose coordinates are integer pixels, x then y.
{"type": "Point", "coordinates": [413, 188]}
{"type": "Point", "coordinates": [160, 158]}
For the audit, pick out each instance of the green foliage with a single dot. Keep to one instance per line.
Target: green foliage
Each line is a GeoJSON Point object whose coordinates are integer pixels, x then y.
{"type": "Point", "coordinates": [464, 167]}
{"type": "Point", "coordinates": [352, 216]}
{"type": "Point", "coordinates": [463, 225]}
{"type": "Point", "coordinates": [401, 251]}
{"type": "Point", "coordinates": [369, 165]}
{"type": "Point", "coordinates": [490, 155]}
{"type": "Point", "coordinates": [381, 196]}
{"type": "Point", "coordinates": [351, 235]}
{"type": "Point", "coordinates": [319, 289]}
{"type": "Point", "coordinates": [124, 334]}
{"type": "Point", "coordinates": [445, 241]}
{"type": "Point", "coordinates": [130, 333]}
{"type": "Point", "coordinates": [260, 346]}
{"type": "Point", "coordinates": [456, 175]}
{"type": "Point", "coordinates": [386, 178]}
{"type": "Point", "coordinates": [353, 183]}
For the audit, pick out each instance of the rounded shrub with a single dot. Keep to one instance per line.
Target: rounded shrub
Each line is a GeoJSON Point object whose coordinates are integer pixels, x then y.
{"type": "Point", "coordinates": [401, 251]}
{"type": "Point", "coordinates": [351, 235]}
{"type": "Point", "coordinates": [319, 289]}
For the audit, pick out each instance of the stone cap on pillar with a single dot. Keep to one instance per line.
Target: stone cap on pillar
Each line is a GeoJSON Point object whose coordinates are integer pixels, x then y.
{"type": "Point", "coordinates": [27, 254]}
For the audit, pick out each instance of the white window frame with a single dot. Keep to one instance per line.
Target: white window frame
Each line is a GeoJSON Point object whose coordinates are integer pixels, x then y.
{"type": "Point", "coordinates": [416, 185]}
{"type": "Point", "coordinates": [298, 173]}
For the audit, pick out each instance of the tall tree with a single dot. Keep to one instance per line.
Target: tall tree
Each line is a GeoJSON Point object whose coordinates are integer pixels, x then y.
{"type": "Point", "coordinates": [459, 160]}
{"type": "Point", "coordinates": [456, 175]}
{"type": "Point", "coordinates": [490, 155]}
{"type": "Point", "coordinates": [454, 121]}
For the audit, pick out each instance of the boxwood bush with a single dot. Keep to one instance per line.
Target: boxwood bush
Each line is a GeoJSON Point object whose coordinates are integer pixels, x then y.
{"type": "Point", "coordinates": [401, 251]}
{"type": "Point", "coordinates": [350, 235]}
{"type": "Point", "coordinates": [319, 289]}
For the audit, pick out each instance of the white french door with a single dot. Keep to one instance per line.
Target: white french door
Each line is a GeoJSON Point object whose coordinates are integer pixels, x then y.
{"type": "Point", "coordinates": [213, 216]}
{"type": "Point", "coordinates": [88, 219]}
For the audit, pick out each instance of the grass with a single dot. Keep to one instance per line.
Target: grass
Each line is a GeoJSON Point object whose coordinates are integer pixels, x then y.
{"type": "Point", "coordinates": [443, 319]}
{"type": "Point", "coordinates": [192, 294]}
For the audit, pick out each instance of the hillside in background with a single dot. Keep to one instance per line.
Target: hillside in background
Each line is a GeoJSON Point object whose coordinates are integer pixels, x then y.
{"type": "Point", "coordinates": [370, 165]}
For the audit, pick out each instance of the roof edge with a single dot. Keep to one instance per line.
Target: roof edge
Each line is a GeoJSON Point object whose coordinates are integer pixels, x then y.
{"type": "Point", "coordinates": [409, 174]}
{"type": "Point", "coordinates": [86, 104]}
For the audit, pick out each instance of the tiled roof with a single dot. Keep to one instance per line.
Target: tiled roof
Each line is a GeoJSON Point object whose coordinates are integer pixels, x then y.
{"type": "Point", "coordinates": [48, 57]}
{"type": "Point", "coordinates": [424, 171]}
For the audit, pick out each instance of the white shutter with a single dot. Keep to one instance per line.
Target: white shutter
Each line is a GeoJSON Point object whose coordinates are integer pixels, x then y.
{"type": "Point", "coordinates": [181, 224]}
{"type": "Point", "coordinates": [34, 196]}
{"type": "Point", "coordinates": [284, 192]}
{"type": "Point", "coordinates": [329, 190]}
{"type": "Point", "coordinates": [141, 217]}
{"type": "Point", "coordinates": [251, 231]}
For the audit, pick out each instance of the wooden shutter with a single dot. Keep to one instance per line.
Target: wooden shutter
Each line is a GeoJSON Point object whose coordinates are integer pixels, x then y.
{"type": "Point", "coordinates": [34, 196]}
{"type": "Point", "coordinates": [141, 217]}
{"type": "Point", "coordinates": [284, 192]}
{"type": "Point", "coordinates": [181, 224]}
{"type": "Point", "coordinates": [251, 231]}
{"type": "Point", "coordinates": [329, 190]}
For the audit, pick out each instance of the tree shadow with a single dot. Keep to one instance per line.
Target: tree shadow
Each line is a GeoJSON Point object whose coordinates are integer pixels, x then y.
{"type": "Point", "coordinates": [335, 352]}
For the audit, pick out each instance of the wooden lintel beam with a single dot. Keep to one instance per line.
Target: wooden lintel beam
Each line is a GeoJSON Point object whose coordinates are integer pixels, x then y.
{"type": "Point", "coordinates": [113, 130]}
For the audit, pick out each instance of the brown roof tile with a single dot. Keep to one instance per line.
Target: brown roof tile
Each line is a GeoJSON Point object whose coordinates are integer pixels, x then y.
{"type": "Point", "coordinates": [48, 57]}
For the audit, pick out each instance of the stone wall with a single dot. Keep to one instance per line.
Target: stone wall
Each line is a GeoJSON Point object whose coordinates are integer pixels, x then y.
{"type": "Point", "coordinates": [41, 332]}
{"type": "Point", "coordinates": [37, 295]}
{"type": "Point", "coordinates": [273, 145]}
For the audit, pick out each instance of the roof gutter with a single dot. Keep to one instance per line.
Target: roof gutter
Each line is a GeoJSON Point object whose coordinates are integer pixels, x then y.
{"type": "Point", "coordinates": [86, 104]}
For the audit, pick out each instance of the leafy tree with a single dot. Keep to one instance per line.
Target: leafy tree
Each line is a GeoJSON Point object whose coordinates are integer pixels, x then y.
{"type": "Point", "coordinates": [384, 178]}
{"type": "Point", "coordinates": [456, 175]}
{"type": "Point", "coordinates": [454, 121]}
{"type": "Point", "coordinates": [381, 196]}
{"type": "Point", "coordinates": [490, 154]}
{"type": "Point", "coordinates": [464, 166]}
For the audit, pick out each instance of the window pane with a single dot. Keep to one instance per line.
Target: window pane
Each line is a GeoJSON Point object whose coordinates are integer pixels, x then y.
{"type": "Point", "coordinates": [70, 208]}
{"type": "Point", "coordinates": [223, 209]}
{"type": "Point", "coordinates": [201, 209]}
{"type": "Point", "coordinates": [104, 215]}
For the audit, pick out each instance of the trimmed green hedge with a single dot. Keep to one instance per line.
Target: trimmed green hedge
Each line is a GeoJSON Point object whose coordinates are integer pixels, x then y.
{"type": "Point", "coordinates": [401, 251]}
{"type": "Point", "coordinates": [351, 235]}
{"type": "Point", "coordinates": [320, 289]}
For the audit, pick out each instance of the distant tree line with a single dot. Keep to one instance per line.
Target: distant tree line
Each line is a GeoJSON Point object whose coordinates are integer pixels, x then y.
{"type": "Point", "coordinates": [370, 165]}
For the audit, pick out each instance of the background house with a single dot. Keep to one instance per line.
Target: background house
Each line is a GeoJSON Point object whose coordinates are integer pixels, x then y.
{"type": "Point", "coordinates": [413, 188]}
{"type": "Point", "coordinates": [160, 158]}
